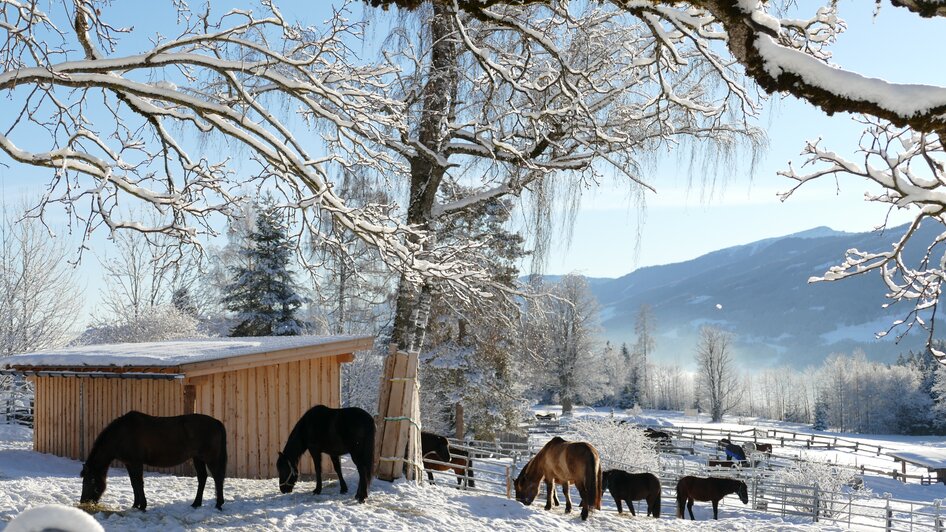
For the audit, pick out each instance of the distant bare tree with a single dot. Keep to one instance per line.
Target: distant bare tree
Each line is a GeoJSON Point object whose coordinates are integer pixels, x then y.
{"type": "Point", "coordinates": [40, 298]}
{"type": "Point", "coordinates": [568, 358]}
{"type": "Point", "coordinates": [719, 381]}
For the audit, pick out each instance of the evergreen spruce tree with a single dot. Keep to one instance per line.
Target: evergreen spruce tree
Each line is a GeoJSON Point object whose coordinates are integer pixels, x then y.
{"type": "Point", "coordinates": [821, 415]}
{"type": "Point", "coordinates": [630, 396]}
{"type": "Point", "coordinates": [263, 293]}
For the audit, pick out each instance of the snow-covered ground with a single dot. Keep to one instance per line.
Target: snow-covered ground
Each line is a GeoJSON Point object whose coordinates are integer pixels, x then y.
{"type": "Point", "coordinates": [29, 479]}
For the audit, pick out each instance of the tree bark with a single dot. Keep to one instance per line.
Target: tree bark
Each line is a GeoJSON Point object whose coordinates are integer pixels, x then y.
{"type": "Point", "coordinates": [427, 169]}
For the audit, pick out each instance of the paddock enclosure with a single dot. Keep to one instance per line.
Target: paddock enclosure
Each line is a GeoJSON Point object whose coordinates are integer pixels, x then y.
{"type": "Point", "coordinates": [258, 387]}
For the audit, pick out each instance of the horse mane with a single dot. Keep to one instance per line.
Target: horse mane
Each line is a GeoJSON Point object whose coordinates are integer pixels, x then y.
{"type": "Point", "coordinates": [295, 444]}
{"type": "Point", "coordinates": [103, 442]}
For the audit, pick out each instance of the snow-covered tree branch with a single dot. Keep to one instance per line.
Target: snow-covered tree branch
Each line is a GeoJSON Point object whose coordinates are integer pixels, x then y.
{"type": "Point", "coordinates": [909, 168]}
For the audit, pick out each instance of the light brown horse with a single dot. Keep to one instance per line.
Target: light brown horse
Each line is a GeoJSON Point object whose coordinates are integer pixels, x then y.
{"type": "Point", "coordinates": [713, 489]}
{"type": "Point", "coordinates": [564, 462]}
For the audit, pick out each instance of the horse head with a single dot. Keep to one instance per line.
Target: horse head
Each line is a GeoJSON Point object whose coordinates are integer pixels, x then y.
{"type": "Point", "coordinates": [527, 487]}
{"type": "Point", "coordinates": [288, 473]}
{"type": "Point", "coordinates": [443, 450]}
{"type": "Point", "coordinates": [93, 484]}
{"type": "Point", "coordinates": [743, 491]}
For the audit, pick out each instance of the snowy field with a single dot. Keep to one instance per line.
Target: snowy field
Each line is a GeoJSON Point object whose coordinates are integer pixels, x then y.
{"type": "Point", "coordinates": [29, 479]}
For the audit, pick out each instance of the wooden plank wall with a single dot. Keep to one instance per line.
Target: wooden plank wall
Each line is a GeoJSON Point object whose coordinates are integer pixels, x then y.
{"type": "Point", "coordinates": [70, 412]}
{"type": "Point", "coordinates": [259, 406]}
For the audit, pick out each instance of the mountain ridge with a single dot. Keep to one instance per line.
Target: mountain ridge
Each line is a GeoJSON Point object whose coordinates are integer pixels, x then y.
{"type": "Point", "coordinates": [764, 297]}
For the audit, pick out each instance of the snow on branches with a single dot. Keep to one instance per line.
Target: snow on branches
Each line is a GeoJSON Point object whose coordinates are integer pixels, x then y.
{"type": "Point", "coordinates": [146, 128]}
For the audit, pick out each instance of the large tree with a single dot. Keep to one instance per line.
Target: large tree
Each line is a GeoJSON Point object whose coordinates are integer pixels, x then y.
{"type": "Point", "coordinates": [567, 101]}
{"type": "Point", "coordinates": [785, 48]}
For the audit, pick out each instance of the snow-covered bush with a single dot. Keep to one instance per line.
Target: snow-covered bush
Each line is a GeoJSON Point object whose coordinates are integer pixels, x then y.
{"type": "Point", "coordinates": [163, 322]}
{"type": "Point", "coordinates": [823, 476]}
{"type": "Point", "coordinates": [620, 445]}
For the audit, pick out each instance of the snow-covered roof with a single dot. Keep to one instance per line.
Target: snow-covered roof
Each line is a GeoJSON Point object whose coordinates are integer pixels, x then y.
{"type": "Point", "coordinates": [177, 352]}
{"type": "Point", "coordinates": [928, 458]}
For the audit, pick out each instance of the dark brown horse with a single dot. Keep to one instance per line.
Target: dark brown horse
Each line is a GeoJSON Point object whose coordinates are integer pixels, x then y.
{"type": "Point", "coordinates": [333, 431]}
{"type": "Point", "coordinates": [629, 487]}
{"type": "Point", "coordinates": [713, 489]}
{"type": "Point", "coordinates": [764, 448]}
{"type": "Point", "coordinates": [460, 458]}
{"type": "Point", "coordinates": [138, 440]}
{"type": "Point", "coordinates": [564, 462]}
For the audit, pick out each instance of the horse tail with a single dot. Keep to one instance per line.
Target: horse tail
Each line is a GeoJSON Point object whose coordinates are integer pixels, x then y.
{"type": "Point", "coordinates": [597, 486]}
{"type": "Point", "coordinates": [655, 487]}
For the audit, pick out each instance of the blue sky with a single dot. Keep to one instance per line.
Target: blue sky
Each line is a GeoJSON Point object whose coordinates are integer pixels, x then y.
{"type": "Point", "coordinates": [680, 221]}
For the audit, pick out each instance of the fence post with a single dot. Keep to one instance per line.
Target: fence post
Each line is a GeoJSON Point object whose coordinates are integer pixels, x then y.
{"type": "Point", "coordinates": [508, 483]}
{"type": "Point", "coordinates": [850, 508]}
{"type": "Point", "coordinates": [888, 513]}
{"type": "Point", "coordinates": [937, 520]}
{"type": "Point", "coordinates": [817, 503]}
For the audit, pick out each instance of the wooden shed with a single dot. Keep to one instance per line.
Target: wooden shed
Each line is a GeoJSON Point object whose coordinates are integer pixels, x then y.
{"type": "Point", "coordinates": [258, 387]}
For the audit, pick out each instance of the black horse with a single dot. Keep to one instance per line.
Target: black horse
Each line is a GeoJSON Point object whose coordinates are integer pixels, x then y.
{"type": "Point", "coordinates": [138, 440]}
{"type": "Point", "coordinates": [435, 443]}
{"type": "Point", "coordinates": [660, 437]}
{"type": "Point", "coordinates": [631, 487]}
{"type": "Point", "coordinates": [712, 489]}
{"type": "Point", "coordinates": [333, 431]}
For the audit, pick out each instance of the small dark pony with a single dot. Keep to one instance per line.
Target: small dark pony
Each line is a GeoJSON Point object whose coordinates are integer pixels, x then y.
{"type": "Point", "coordinates": [564, 462]}
{"type": "Point", "coordinates": [138, 440]}
{"type": "Point", "coordinates": [631, 487]}
{"type": "Point", "coordinates": [713, 489]}
{"type": "Point", "coordinates": [459, 458]}
{"type": "Point", "coordinates": [333, 431]}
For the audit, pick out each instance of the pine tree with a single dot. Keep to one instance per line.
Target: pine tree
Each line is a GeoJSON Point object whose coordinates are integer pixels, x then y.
{"type": "Point", "coordinates": [263, 293]}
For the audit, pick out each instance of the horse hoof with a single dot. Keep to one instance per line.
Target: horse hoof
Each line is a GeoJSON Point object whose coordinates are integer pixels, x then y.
{"type": "Point", "coordinates": [343, 491]}
{"type": "Point", "coordinates": [220, 507]}
{"type": "Point", "coordinates": [196, 505]}
{"type": "Point", "coordinates": [584, 515]}
{"type": "Point", "coordinates": [317, 491]}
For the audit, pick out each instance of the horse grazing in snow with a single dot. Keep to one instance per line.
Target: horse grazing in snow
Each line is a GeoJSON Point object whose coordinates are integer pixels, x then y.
{"type": "Point", "coordinates": [333, 431]}
{"type": "Point", "coordinates": [564, 462]}
{"type": "Point", "coordinates": [139, 439]}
